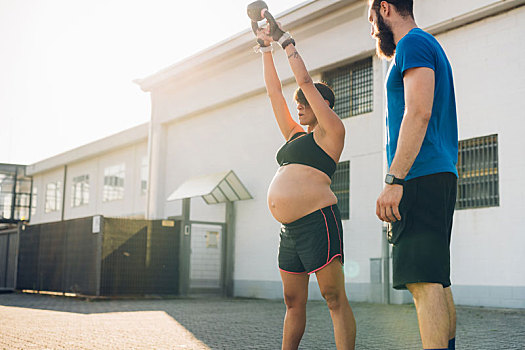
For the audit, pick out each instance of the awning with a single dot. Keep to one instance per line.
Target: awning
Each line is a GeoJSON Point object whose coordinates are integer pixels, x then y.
{"type": "Point", "coordinates": [214, 188]}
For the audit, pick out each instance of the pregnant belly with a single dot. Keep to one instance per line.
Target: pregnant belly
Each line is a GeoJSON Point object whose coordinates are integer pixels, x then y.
{"type": "Point", "coordinates": [297, 190]}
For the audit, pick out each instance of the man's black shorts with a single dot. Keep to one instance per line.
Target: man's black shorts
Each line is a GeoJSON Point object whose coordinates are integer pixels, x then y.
{"type": "Point", "coordinates": [311, 242]}
{"type": "Point", "coordinates": [421, 239]}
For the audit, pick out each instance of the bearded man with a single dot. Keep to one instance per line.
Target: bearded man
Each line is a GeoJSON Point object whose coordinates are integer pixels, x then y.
{"type": "Point", "coordinates": [419, 196]}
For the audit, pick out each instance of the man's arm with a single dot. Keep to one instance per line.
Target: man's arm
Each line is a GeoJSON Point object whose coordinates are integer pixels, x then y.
{"type": "Point", "coordinates": [419, 98]}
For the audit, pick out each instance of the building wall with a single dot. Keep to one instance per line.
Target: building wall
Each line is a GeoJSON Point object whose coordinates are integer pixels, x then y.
{"type": "Point", "coordinates": [242, 135]}
{"type": "Point", "coordinates": [232, 127]}
{"type": "Point", "coordinates": [40, 183]}
{"type": "Point", "coordinates": [488, 244]}
{"type": "Point", "coordinates": [218, 117]}
{"type": "Point", "coordinates": [133, 203]}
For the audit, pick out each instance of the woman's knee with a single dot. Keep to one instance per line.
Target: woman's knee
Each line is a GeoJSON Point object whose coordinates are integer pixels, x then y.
{"type": "Point", "coordinates": [334, 297]}
{"type": "Point", "coordinates": [295, 300]}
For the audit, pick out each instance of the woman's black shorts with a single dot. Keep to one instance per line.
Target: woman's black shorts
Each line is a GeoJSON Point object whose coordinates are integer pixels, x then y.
{"type": "Point", "coordinates": [312, 242]}
{"type": "Point", "coordinates": [421, 239]}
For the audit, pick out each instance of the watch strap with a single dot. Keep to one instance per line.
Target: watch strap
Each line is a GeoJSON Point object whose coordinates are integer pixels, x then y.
{"type": "Point", "coordinates": [394, 180]}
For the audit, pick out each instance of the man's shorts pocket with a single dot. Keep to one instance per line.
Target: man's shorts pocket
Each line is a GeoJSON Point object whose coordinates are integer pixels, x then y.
{"type": "Point", "coordinates": [397, 228]}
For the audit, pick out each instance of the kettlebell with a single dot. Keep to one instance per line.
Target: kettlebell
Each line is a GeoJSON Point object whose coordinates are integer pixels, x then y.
{"type": "Point", "coordinates": [254, 10]}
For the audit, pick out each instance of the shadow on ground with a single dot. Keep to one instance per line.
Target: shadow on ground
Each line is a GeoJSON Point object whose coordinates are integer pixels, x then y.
{"type": "Point", "coordinates": [257, 324]}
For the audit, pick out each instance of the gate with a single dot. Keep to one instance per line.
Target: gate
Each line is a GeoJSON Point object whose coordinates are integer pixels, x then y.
{"type": "Point", "coordinates": [8, 258]}
{"type": "Point", "coordinates": [206, 268]}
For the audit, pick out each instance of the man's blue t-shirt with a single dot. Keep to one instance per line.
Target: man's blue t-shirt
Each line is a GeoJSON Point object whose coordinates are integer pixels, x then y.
{"type": "Point", "coordinates": [439, 151]}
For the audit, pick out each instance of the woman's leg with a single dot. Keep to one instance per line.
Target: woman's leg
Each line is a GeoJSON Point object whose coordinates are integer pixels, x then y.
{"type": "Point", "coordinates": [332, 285]}
{"type": "Point", "coordinates": [295, 288]}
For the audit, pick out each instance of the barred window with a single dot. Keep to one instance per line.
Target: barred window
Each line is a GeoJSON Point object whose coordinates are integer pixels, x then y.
{"type": "Point", "coordinates": [53, 197]}
{"type": "Point", "coordinates": [353, 87]}
{"type": "Point", "coordinates": [341, 187]}
{"type": "Point", "coordinates": [114, 183]}
{"type": "Point", "coordinates": [478, 184]}
{"type": "Point", "coordinates": [80, 191]}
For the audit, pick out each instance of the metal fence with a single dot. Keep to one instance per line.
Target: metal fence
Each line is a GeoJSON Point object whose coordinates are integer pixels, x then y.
{"type": "Point", "coordinates": [100, 256]}
{"type": "Point", "coordinates": [59, 257]}
{"type": "Point", "coordinates": [139, 257]}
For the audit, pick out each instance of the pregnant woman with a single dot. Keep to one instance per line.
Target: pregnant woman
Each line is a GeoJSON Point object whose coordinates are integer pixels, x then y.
{"type": "Point", "coordinates": [299, 197]}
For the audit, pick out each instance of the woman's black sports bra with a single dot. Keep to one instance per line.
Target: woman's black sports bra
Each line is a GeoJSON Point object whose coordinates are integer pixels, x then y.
{"type": "Point", "coordinates": [304, 150]}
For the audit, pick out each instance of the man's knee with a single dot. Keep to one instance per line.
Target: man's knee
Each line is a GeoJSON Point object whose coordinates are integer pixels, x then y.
{"type": "Point", "coordinates": [421, 290]}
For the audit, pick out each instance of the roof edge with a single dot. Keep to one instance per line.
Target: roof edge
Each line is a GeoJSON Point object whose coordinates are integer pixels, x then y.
{"type": "Point", "coordinates": [121, 139]}
{"type": "Point", "coordinates": [291, 18]}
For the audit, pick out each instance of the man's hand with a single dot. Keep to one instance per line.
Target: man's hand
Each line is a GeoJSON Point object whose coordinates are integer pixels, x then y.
{"type": "Point", "coordinates": [387, 205]}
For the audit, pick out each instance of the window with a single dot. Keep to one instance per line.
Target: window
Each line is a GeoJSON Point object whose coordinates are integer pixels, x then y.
{"type": "Point", "coordinates": [34, 200]}
{"type": "Point", "coordinates": [478, 173]}
{"type": "Point", "coordinates": [341, 187]}
{"type": "Point", "coordinates": [353, 87]}
{"type": "Point", "coordinates": [15, 194]}
{"type": "Point", "coordinates": [80, 191]}
{"type": "Point", "coordinates": [23, 197]}
{"type": "Point", "coordinates": [114, 183]}
{"type": "Point", "coordinates": [7, 181]}
{"type": "Point", "coordinates": [53, 197]}
{"type": "Point", "coordinates": [144, 175]}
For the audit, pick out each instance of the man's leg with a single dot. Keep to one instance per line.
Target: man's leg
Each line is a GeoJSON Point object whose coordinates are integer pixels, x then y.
{"type": "Point", "coordinates": [451, 313]}
{"type": "Point", "coordinates": [331, 281]}
{"type": "Point", "coordinates": [295, 288]}
{"type": "Point", "coordinates": [432, 314]}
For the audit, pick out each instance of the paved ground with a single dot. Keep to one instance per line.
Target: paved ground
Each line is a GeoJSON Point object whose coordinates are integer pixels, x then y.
{"type": "Point", "coordinates": [46, 322]}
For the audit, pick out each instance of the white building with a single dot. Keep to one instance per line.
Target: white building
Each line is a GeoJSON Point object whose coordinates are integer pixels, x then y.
{"type": "Point", "coordinates": [211, 115]}
{"type": "Point", "coordinates": [106, 177]}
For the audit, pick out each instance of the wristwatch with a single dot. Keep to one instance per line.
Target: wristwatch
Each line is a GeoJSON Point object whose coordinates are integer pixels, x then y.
{"type": "Point", "coordinates": [392, 180]}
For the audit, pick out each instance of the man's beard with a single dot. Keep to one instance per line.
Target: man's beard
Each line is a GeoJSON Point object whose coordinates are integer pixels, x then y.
{"type": "Point", "coordinates": [385, 44]}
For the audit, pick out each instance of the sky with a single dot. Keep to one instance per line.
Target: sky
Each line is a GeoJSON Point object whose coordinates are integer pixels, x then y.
{"type": "Point", "coordinates": [67, 66]}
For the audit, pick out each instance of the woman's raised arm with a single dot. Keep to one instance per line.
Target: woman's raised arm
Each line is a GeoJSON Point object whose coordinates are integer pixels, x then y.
{"type": "Point", "coordinates": [282, 114]}
{"type": "Point", "coordinates": [328, 121]}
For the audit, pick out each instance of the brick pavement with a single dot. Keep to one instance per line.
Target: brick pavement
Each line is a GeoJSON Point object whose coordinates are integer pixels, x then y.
{"type": "Point", "coordinates": [47, 322]}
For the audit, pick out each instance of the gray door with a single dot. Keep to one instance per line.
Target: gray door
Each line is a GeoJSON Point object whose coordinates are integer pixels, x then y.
{"type": "Point", "coordinates": [8, 259]}
{"type": "Point", "coordinates": [206, 257]}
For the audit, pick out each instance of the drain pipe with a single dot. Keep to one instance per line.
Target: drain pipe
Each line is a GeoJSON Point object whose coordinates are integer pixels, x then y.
{"type": "Point", "coordinates": [385, 246]}
{"type": "Point", "coordinates": [64, 194]}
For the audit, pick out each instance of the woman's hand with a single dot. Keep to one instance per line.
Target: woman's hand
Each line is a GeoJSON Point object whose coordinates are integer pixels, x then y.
{"type": "Point", "coordinates": [264, 35]}
{"type": "Point", "coordinates": [276, 30]}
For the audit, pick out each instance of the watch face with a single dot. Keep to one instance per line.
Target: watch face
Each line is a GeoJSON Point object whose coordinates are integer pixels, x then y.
{"type": "Point", "coordinates": [389, 179]}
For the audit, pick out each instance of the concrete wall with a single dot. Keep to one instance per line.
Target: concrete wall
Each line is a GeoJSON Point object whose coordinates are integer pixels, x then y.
{"type": "Point", "coordinates": [488, 244]}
